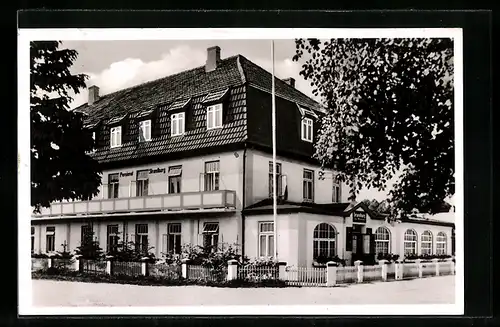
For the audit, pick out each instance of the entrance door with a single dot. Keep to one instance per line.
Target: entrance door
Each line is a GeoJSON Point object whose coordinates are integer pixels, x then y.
{"type": "Point", "coordinates": [357, 246]}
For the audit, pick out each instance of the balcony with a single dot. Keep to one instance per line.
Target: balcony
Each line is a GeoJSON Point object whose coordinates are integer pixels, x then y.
{"type": "Point", "coordinates": [221, 199]}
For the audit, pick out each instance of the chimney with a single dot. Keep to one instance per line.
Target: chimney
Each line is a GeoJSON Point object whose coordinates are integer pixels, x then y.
{"type": "Point", "coordinates": [213, 58]}
{"type": "Point", "coordinates": [290, 81]}
{"type": "Point", "coordinates": [93, 94]}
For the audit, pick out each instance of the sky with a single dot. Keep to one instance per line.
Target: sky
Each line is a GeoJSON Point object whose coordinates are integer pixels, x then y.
{"type": "Point", "coordinates": [115, 65]}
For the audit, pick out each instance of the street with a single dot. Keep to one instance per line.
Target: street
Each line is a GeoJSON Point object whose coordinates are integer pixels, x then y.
{"type": "Point", "coordinates": [434, 290]}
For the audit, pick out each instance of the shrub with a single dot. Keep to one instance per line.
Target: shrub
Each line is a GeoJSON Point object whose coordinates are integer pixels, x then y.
{"type": "Point", "coordinates": [388, 256]}
{"type": "Point", "coordinates": [324, 259]}
{"type": "Point", "coordinates": [39, 255]}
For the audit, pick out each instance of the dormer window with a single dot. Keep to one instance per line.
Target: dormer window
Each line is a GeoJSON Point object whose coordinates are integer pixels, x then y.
{"type": "Point", "coordinates": [116, 136]}
{"type": "Point", "coordinates": [214, 116]}
{"type": "Point", "coordinates": [177, 124]}
{"type": "Point", "coordinates": [145, 130]}
{"type": "Point", "coordinates": [307, 129]}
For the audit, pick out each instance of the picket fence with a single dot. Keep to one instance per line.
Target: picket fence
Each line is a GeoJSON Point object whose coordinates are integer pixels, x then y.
{"type": "Point", "coordinates": [293, 276]}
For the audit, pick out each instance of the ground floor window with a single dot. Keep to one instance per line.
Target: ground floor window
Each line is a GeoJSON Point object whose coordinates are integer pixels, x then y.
{"type": "Point", "coordinates": [441, 243]}
{"type": "Point", "coordinates": [174, 238]}
{"type": "Point", "coordinates": [324, 241]}
{"type": "Point", "coordinates": [210, 236]}
{"type": "Point", "coordinates": [86, 235]}
{"type": "Point", "coordinates": [112, 238]}
{"type": "Point", "coordinates": [410, 242]}
{"type": "Point", "coordinates": [426, 243]}
{"type": "Point", "coordinates": [141, 238]}
{"type": "Point", "coordinates": [382, 240]}
{"type": "Point", "coordinates": [50, 241]}
{"type": "Point", "coordinates": [266, 239]}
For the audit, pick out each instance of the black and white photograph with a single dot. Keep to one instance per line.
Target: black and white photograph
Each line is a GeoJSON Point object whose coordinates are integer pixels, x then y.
{"type": "Point", "coordinates": [269, 171]}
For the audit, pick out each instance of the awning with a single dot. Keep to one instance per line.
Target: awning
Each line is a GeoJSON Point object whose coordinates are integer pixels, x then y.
{"type": "Point", "coordinates": [211, 228]}
{"type": "Point", "coordinates": [175, 171]}
{"type": "Point", "coordinates": [179, 104]}
{"type": "Point", "coordinates": [216, 96]}
{"type": "Point", "coordinates": [306, 112]}
{"type": "Point", "coordinates": [116, 120]}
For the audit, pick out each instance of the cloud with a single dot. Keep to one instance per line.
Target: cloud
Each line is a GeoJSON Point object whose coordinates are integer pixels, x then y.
{"type": "Point", "coordinates": [133, 71]}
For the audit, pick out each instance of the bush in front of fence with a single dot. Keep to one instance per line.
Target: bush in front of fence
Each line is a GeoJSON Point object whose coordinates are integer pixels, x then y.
{"type": "Point", "coordinates": [54, 273]}
{"type": "Point", "coordinates": [389, 257]}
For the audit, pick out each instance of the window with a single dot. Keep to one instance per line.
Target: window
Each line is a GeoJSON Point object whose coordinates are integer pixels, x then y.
{"type": "Point", "coordinates": [113, 186]}
{"type": "Point", "coordinates": [112, 239]}
{"type": "Point", "coordinates": [336, 196]}
{"type": "Point", "coordinates": [307, 129]}
{"type": "Point", "coordinates": [32, 239]}
{"type": "Point", "coordinates": [210, 236]}
{"type": "Point", "coordinates": [142, 182]}
{"type": "Point", "coordinates": [141, 238]}
{"type": "Point", "coordinates": [116, 136]}
{"type": "Point", "coordinates": [382, 240]}
{"type": "Point", "coordinates": [410, 242]}
{"type": "Point", "coordinates": [426, 242]}
{"type": "Point", "coordinates": [174, 238]}
{"type": "Point", "coordinates": [308, 185]}
{"type": "Point", "coordinates": [86, 235]}
{"type": "Point", "coordinates": [266, 239]}
{"type": "Point", "coordinates": [279, 185]}
{"type": "Point", "coordinates": [177, 124]}
{"type": "Point", "coordinates": [324, 245]}
{"type": "Point", "coordinates": [50, 241]}
{"type": "Point", "coordinates": [174, 179]}
{"type": "Point", "coordinates": [441, 243]}
{"type": "Point", "coordinates": [212, 174]}
{"type": "Point", "coordinates": [214, 116]}
{"type": "Point", "coordinates": [145, 130]}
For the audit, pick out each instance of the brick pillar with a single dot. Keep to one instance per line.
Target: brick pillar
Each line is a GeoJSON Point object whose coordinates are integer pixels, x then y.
{"type": "Point", "coordinates": [436, 262]}
{"type": "Point", "coordinates": [232, 269]}
{"type": "Point", "coordinates": [359, 265]}
{"type": "Point", "coordinates": [282, 270]}
{"type": "Point", "coordinates": [383, 264]}
{"type": "Point", "coordinates": [420, 267]}
{"type": "Point", "coordinates": [331, 273]}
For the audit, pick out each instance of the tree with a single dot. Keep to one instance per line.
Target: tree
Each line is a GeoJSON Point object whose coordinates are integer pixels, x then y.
{"type": "Point", "coordinates": [89, 248]}
{"type": "Point", "coordinates": [61, 168]}
{"type": "Point", "coordinates": [389, 114]}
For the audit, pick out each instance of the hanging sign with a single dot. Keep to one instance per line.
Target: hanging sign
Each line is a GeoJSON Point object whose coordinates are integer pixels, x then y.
{"type": "Point", "coordinates": [359, 217]}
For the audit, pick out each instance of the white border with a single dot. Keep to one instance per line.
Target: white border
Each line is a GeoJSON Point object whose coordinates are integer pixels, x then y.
{"type": "Point", "coordinates": [27, 35]}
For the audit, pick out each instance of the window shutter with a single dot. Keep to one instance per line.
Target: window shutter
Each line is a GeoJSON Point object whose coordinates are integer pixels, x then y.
{"type": "Point", "coordinates": [348, 239]}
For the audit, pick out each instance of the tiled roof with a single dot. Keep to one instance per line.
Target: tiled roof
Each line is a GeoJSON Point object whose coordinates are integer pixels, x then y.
{"type": "Point", "coordinates": [193, 90]}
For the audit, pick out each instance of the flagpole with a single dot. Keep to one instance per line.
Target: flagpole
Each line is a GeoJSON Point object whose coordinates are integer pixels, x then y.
{"type": "Point", "coordinates": [275, 195]}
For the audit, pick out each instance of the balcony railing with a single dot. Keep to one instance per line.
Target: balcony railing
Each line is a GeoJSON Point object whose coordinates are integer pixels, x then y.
{"type": "Point", "coordinates": [220, 199]}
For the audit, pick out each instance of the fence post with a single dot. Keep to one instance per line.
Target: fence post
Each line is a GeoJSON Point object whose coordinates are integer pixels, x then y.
{"type": "Point", "coordinates": [144, 268]}
{"type": "Point", "coordinates": [282, 270]}
{"type": "Point", "coordinates": [76, 265]}
{"type": "Point", "coordinates": [384, 269]}
{"type": "Point", "coordinates": [50, 262]}
{"type": "Point", "coordinates": [331, 273]}
{"type": "Point", "coordinates": [184, 268]}
{"type": "Point", "coordinates": [359, 266]}
{"type": "Point", "coordinates": [436, 261]}
{"type": "Point", "coordinates": [398, 270]}
{"type": "Point", "coordinates": [232, 269]}
{"type": "Point", "coordinates": [420, 267]}
{"type": "Point", "coordinates": [109, 266]}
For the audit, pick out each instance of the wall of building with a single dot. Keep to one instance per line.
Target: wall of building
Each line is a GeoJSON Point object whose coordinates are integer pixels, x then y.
{"type": "Point", "coordinates": [191, 231]}
{"type": "Point", "coordinates": [231, 175]}
{"type": "Point", "coordinates": [258, 179]}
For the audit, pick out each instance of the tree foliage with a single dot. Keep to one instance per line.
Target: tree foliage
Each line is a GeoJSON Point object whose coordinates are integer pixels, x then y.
{"type": "Point", "coordinates": [390, 114]}
{"type": "Point", "coordinates": [61, 168]}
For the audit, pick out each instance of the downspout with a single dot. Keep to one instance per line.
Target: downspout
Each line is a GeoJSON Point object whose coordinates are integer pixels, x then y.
{"type": "Point", "coordinates": [243, 202]}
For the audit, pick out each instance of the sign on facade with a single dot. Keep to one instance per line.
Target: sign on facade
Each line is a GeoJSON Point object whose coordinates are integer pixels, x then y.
{"type": "Point", "coordinates": [359, 217]}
